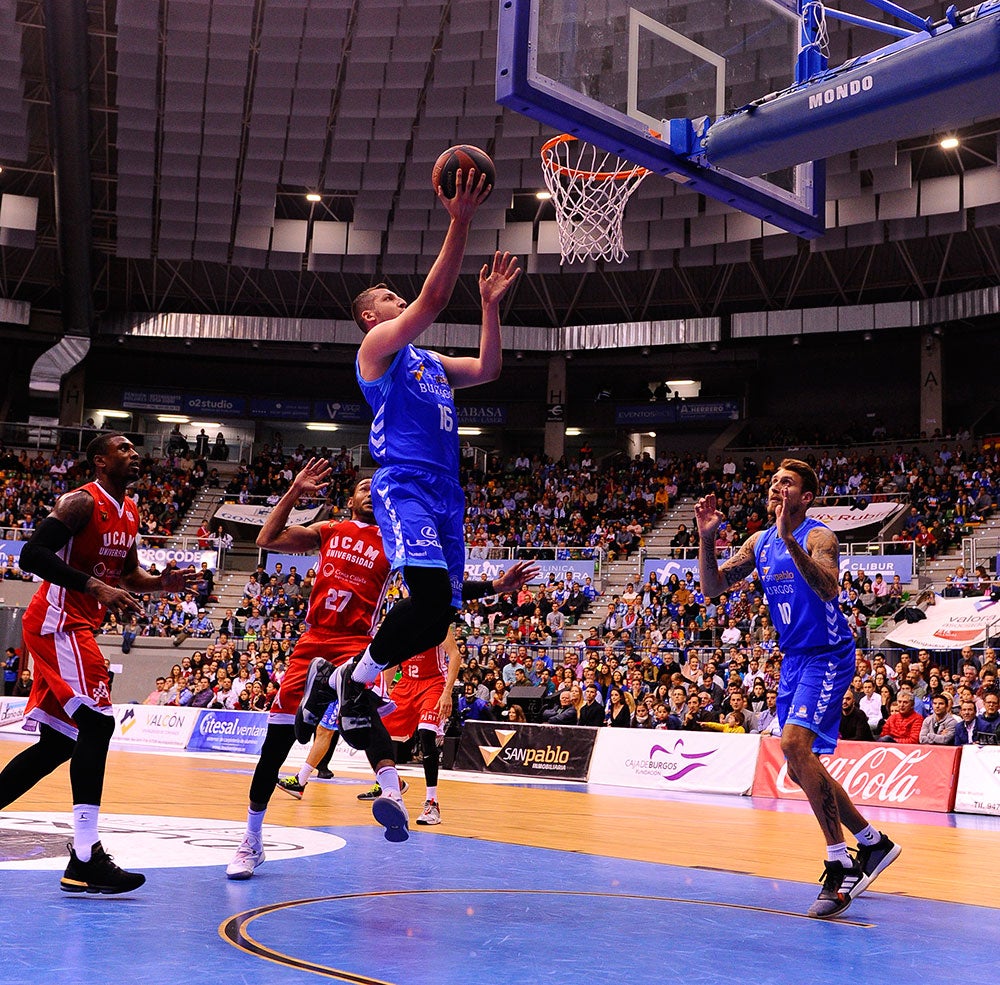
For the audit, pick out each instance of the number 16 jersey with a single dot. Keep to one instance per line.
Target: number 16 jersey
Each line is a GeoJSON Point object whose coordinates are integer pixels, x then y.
{"type": "Point", "coordinates": [414, 413]}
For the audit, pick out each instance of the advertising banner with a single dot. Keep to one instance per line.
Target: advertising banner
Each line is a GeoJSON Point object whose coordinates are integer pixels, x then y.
{"type": "Point", "coordinates": [203, 405]}
{"type": "Point", "coordinates": [228, 731]}
{"type": "Point", "coordinates": [840, 518]}
{"type": "Point", "coordinates": [10, 553]}
{"type": "Point", "coordinates": [676, 411]}
{"type": "Point", "coordinates": [481, 414]}
{"type": "Point", "coordinates": [301, 562]}
{"type": "Point", "coordinates": [256, 515]}
{"type": "Point", "coordinates": [949, 624]}
{"type": "Point", "coordinates": [549, 751]}
{"type": "Point", "coordinates": [705, 762]}
{"type": "Point", "coordinates": [12, 714]}
{"type": "Point", "coordinates": [154, 725]}
{"type": "Point", "coordinates": [665, 567]}
{"type": "Point", "coordinates": [185, 557]}
{"type": "Point", "coordinates": [916, 778]}
{"type": "Point", "coordinates": [886, 565]}
{"type": "Point", "coordinates": [480, 570]}
{"type": "Point", "coordinates": [280, 410]}
{"type": "Point", "coordinates": [979, 780]}
{"type": "Point", "coordinates": [344, 412]}
{"type": "Point", "coordinates": [162, 402]}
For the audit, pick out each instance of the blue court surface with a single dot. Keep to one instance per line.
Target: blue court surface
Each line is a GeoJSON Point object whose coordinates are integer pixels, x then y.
{"type": "Point", "coordinates": [345, 905]}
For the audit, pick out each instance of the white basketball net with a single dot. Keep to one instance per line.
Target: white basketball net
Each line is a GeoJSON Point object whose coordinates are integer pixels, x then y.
{"type": "Point", "coordinates": [589, 189]}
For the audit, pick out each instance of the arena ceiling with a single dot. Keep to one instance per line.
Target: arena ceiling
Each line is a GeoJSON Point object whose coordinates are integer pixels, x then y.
{"type": "Point", "coordinates": [208, 121]}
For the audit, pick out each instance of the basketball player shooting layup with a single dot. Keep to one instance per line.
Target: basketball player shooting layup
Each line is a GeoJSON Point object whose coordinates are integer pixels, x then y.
{"type": "Point", "coordinates": [797, 560]}
{"type": "Point", "coordinates": [416, 495]}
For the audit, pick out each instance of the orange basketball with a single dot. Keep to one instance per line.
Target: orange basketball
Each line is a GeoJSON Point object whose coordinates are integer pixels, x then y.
{"type": "Point", "coordinates": [462, 157]}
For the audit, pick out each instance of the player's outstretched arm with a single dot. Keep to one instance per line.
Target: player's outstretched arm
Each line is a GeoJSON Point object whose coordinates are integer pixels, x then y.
{"type": "Point", "coordinates": [385, 339]}
{"type": "Point", "coordinates": [716, 580]}
{"type": "Point", "coordinates": [494, 282]}
{"type": "Point", "coordinates": [274, 535]}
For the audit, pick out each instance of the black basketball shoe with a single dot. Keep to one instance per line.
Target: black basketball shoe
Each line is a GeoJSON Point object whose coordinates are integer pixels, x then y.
{"type": "Point", "coordinates": [99, 875]}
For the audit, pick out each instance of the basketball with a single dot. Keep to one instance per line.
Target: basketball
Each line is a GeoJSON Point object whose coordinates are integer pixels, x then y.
{"type": "Point", "coordinates": [461, 157]}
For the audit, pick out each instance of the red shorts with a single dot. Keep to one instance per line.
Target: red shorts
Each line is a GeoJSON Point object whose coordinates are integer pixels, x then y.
{"type": "Point", "coordinates": [416, 707]}
{"type": "Point", "coordinates": [69, 672]}
{"type": "Point", "coordinates": [337, 650]}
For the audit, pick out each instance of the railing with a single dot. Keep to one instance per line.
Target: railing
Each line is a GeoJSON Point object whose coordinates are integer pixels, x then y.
{"type": "Point", "coordinates": [978, 551]}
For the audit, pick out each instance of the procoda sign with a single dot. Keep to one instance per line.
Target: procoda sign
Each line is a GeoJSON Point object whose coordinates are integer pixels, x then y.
{"type": "Point", "coordinates": [889, 775]}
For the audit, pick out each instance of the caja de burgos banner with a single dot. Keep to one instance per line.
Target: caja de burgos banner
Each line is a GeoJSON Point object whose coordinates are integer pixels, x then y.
{"type": "Point", "coordinates": [876, 774]}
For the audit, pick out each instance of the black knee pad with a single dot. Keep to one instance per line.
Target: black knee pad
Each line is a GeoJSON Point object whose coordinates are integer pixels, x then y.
{"type": "Point", "coordinates": [429, 588]}
{"type": "Point", "coordinates": [92, 724]}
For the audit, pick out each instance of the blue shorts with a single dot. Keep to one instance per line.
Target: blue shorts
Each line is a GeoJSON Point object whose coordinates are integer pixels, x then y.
{"type": "Point", "coordinates": [811, 692]}
{"type": "Point", "coordinates": [329, 719]}
{"type": "Point", "coordinates": [422, 517]}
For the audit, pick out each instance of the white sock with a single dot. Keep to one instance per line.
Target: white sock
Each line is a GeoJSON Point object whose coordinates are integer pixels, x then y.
{"type": "Point", "coordinates": [838, 853]}
{"type": "Point", "coordinates": [255, 823]}
{"type": "Point", "coordinates": [367, 670]}
{"type": "Point", "coordinates": [388, 780]}
{"type": "Point", "coordinates": [432, 793]}
{"type": "Point", "coordinates": [306, 772]}
{"type": "Point", "coordinates": [85, 829]}
{"type": "Point", "coordinates": [869, 836]}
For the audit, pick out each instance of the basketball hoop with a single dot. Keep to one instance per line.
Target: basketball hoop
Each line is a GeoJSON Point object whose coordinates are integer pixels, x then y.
{"type": "Point", "coordinates": [589, 189]}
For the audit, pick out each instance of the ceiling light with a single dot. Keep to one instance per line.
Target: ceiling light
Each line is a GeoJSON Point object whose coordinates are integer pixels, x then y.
{"type": "Point", "coordinates": [117, 415]}
{"type": "Point", "coordinates": [543, 196]}
{"type": "Point", "coordinates": [676, 383]}
{"type": "Point", "coordinates": [322, 426]}
{"type": "Point", "coordinates": [172, 418]}
{"type": "Point", "coordinates": [314, 197]}
{"type": "Point", "coordinates": [205, 424]}
{"type": "Point", "coordinates": [573, 432]}
{"type": "Point", "coordinates": [949, 143]}
{"type": "Point", "coordinates": [470, 432]}
{"type": "Point", "coordinates": [650, 434]}
{"type": "Point", "coordinates": [1, 169]}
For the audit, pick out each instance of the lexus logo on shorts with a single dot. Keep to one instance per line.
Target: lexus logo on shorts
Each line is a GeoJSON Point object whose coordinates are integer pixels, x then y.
{"type": "Point", "coordinates": [428, 532]}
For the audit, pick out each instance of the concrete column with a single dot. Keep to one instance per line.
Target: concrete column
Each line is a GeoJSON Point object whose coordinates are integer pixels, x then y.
{"type": "Point", "coordinates": [931, 385]}
{"type": "Point", "coordinates": [555, 400]}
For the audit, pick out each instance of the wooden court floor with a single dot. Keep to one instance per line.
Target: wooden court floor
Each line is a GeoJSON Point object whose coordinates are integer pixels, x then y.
{"type": "Point", "coordinates": [530, 858]}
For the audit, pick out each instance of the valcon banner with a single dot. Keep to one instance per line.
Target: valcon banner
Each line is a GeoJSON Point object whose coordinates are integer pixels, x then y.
{"type": "Point", "coordinates": [979, 780]}
{"type": "Point", "coordinates": [706, 762]}
{"type": "Point", "coordinates": [154, 725]}
{"type": "Point", "coordinates": [950, 624]}
{"type": "Point", "coordinates": [552, 751]}
{"type": "Point", "coordinates": [920, 778]}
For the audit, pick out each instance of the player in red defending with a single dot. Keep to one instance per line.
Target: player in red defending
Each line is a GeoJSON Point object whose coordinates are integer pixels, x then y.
{"type": "Point", "coordinates": [343, 607]}
{"type": "Point", "coordinates": [85, 550]}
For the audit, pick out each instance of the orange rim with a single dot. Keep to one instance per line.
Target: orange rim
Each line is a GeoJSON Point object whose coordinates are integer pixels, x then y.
{"type": "Point", "coordinates": [564, 138]}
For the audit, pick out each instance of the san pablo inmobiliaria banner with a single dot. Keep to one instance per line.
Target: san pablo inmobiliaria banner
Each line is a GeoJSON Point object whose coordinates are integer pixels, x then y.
{"type": "Point", "coordinates": [950, 624]}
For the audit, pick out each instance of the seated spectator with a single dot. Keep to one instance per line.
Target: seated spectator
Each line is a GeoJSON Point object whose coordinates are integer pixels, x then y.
{"type": "Point", "coordinates": [967, 727]}
{"type": "Point", "coordinates": [938, 728]}
{"type": "Point", "coordinates": [23, 686]}
{"type": "Point", "coordinates": [854, 722]}
{"type": "Point", "coordinates": [159, 693]}
{"type": "Point", "coordinates": [904, 724]}
{"type": "Point", "coordinates": [564, 713]}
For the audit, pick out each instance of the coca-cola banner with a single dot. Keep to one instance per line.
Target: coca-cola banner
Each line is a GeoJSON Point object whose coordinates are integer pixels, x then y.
{"type": "Point", "coordinates": [705, 762]}
{"type": "Point", "coordinates": [875, 774]}
{"type": "Point", "coordinates": [979, 780]}
{"type": "Point", "coordinates": [950, 624]}
{"type": "Point", "coordinates": [841, 518]}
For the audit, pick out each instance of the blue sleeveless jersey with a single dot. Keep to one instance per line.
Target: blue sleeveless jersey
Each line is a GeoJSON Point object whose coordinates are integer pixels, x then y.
{"type": "Point", "coordinates": [802, 619]}
{"type": "Point", "coordinates": [415, 421]}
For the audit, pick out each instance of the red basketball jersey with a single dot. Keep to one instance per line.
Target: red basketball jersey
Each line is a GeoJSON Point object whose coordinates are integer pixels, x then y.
{"type": "Point", "coordinates": [351, 578]}
{"type": "Point", "coordinates": [427, 666]}
{"type": "Point", "coordinates": [99, 549]}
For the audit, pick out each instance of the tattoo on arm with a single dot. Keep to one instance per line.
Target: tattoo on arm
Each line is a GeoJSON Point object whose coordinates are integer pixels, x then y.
{"type": "Point", "coordinates": [821, 565]}
{"type": "Point", "coordinates": [74, 510]}
{"type": "Point", "coordinates": [740, 564]}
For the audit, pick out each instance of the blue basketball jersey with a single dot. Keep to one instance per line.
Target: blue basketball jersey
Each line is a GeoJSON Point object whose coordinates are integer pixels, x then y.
{"type": "Point", "coordinates": [802, 619]}
{"type": "Point", "coordinates": [415, 421]}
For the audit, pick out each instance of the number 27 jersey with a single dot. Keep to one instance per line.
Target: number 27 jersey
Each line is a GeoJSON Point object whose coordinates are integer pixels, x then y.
{"type": "Point", "coordinates": [351, 579]}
